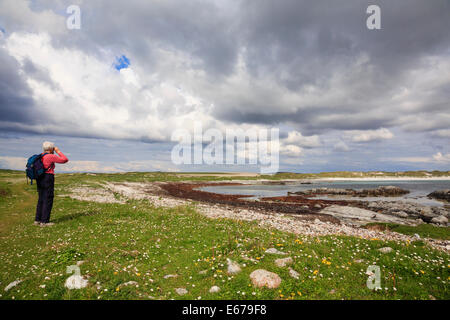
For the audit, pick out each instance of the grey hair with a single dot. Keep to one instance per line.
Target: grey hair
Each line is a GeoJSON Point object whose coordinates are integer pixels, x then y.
{"type": "Point", "coordinates": [48, 146]}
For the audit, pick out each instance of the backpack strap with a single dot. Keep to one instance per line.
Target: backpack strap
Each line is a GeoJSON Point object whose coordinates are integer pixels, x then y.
{"type": "Point", "coordinates": [42, 157]}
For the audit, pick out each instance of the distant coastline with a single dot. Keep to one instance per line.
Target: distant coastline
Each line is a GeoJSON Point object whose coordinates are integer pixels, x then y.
{"type": "Point", "coordinates": [383, 179]}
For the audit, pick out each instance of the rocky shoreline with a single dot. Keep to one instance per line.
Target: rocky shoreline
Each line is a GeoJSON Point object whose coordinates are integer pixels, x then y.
{"type": "Point", "coordinates": [441, 195]}
{"type": "Point", "coordinates": [306, 216]}
{"type": "Point", "coordinates": [356, 212]}
{"type": "Point", "coordinates": [383, 191]}
{"type": "Point", "coordinates": [411, 211]}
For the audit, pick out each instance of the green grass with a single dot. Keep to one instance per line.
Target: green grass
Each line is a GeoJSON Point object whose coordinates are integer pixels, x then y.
{"type": "Point", "coordinates": [138, 242]}
{"type": "Point", "coordinates": [423, 230]}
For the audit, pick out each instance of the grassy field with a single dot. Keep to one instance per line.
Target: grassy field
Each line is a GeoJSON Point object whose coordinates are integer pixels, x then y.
{"type": "Point", "coordinates": [138, 242]}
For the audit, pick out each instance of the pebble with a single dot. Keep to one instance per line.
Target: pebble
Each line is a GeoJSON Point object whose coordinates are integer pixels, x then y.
{"type": "Point", "coordinates": [181, 291]}
{"type": "Point", "coordinates": [385, 250]}
{"type": "Point", "coordinates": [233, 267]}
{"type": "Point", "coordinates": [214, 289]}
{"type": "Point", "coordinates": [294, 274]}
{"type": "Point", "coordinates": [12, 284]}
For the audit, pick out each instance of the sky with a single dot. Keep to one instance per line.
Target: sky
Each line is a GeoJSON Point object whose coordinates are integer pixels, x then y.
{"type": "Point", "coordinates": [111, 94]}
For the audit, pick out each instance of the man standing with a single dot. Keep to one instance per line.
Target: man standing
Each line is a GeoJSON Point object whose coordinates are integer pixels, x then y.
{"type": "Point", "coordinates": [46, 183]}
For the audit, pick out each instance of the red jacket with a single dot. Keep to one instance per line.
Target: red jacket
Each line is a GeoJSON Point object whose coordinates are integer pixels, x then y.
{"type": "Point", "coordinates": [49, 161]}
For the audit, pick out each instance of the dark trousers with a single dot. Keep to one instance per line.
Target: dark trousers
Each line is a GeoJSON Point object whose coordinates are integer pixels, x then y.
{"type": "Point", "coordinates": [45, 188]}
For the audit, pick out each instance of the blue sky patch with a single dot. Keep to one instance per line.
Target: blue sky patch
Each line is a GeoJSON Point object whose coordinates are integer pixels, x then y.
{"type": "Point", "coordinates": [122, 62]}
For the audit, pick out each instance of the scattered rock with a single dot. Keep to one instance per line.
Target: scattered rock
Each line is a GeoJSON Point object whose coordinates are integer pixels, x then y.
{"type": "Point", "coordinates": [358, 260]}
{"type": "Point", "coordinates": [75, 282]}
{"type": "Point", "coordinates": [167, 276]}
{"type": "Point", "coordinates": [233, 267]}
{"type": "Point", "coordinates": [385, 250]}
{"type": "Point", "coordinates": [283, 262]}
{"type": "Point", "coordinates": [12, 284]}
{"type": "Point", "coordinates": [358, 216]}
{"type": "Point", "coordinates": [426, 214]}
{"type": "Point", "coordinates": [79, 263]}
{"type": "Point", "coordinates": [181, 291]}
{"type": "Point", "coordinates": [214, 289]}
{"type": "Point", "coordinates": [406, 212]}
{"type": "Point", "coordinates": [294, 274]}
{"type": "Point", "coordinates": [401, 214]}
{"type": "Point", "coordinates": [203, 272]}
{"type": "Point", "coordinates": [263, 278]}
{"type": "Point", "coordinates": [275, 251]}
{"type": "Point", "coordinates": [440, 220]}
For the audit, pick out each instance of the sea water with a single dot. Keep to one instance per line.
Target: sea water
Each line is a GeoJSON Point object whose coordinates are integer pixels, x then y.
{"type": "Point", "coordinates": [419, 189]}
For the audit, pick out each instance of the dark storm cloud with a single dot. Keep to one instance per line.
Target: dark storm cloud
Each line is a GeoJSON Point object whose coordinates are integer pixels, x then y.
{"type": "Point", "coordinates": [334, 32]}
{"type": "Point", "coordinates": [295, 44]}
{"type": "Point", "coordinates": [301, 43]}
{"type": "Point", "coordinates": [16, 103]}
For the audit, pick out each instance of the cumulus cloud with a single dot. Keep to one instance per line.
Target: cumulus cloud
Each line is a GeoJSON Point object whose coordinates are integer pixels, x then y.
{"type": "Point", "coordinates": [291, 151]}
{"type": "Point", "coordinates": [371, 135]}
{"type": "Point", "coordinates": [441, 157]}
{"type": "Point", "coordinates": [296, 138]}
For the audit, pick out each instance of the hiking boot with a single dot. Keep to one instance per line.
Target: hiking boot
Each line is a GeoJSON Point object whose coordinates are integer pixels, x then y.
{"type": "Point", "coordinates": [46, 224]}
{"type": "Point", "coordinates": [36, 223]}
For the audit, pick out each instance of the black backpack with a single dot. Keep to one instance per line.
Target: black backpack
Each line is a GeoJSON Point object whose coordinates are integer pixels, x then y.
{"type": "Point", "coordinates": [35, 167]}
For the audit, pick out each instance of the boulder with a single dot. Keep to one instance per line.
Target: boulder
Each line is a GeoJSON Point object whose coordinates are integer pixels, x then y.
{"type": "Point", "coordinates": [440, 220]}
{"type": "Point", "coordinates": [427, 212]}
{"type": "Point", "coordinates": [263, 278]}
{"type": "Point", "coordinates": [440, 194]}
{"type": "Point", "coordinates": [283, 262]}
